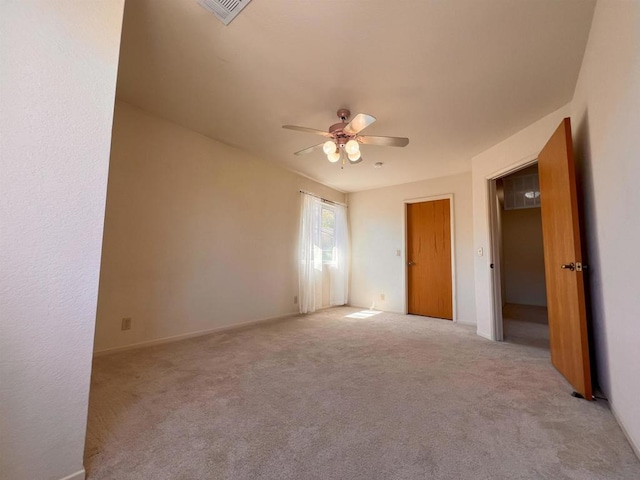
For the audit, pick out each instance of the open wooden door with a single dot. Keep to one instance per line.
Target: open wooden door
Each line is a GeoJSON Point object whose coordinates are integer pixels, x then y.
{"type": "Point", "coordinates": [563, 261]}
{"type": "Point", "coordinates": [429, 253]}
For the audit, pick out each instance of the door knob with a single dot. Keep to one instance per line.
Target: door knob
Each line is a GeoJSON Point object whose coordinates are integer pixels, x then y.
{"type": "Point", "coordinates": [410, 263]}
{"type": "Point", "coordinates": [568, 266]}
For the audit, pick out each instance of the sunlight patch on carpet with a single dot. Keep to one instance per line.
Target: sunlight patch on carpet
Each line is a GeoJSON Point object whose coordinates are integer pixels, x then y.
{"type": "Point", "coordinates": [363, 314]}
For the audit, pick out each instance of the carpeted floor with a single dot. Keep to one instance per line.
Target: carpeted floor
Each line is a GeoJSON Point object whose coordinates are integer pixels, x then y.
{"type": "Point", "coordinates": [526, 325]}
{"type": "Point", "coordinates": [329, 396]}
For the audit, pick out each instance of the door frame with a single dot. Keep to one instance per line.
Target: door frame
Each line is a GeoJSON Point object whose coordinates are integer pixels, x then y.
{"type": "Point", "coordinates": [495, 258]}
{"type": "Point", "coordinates": [447, 196]}
{"type": "Point", "coordinates": [495, 285]}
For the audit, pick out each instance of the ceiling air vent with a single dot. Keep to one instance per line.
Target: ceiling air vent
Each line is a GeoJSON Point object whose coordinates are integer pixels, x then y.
{"type": "Point", "coordinates": [225, 10]}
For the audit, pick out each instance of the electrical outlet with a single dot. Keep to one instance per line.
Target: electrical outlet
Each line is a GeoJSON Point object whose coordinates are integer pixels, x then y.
{"type": "Point", "coordinates": [295, 300]}
{"type": "Point", "coordinates": [126, 324]}
{"type": "Point", "coordinates": [382, 296]}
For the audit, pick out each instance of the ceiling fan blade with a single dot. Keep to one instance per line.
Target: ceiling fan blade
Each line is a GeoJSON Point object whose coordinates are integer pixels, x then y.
{"type": "Point", "coordinates": [309, 150]}
{"type": "Point", "coordinates": [384, 141]}
{"type": "Point", "coordinates": [359, 123]}
{"type": "Point", "coordinates": [308, 130]}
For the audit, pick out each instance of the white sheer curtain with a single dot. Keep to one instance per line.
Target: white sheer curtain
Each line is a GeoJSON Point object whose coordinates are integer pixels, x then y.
{"type": "Point", "coordinates": [323, 254]}
{"type": "Point", "coordinates": [339, 269]}
{"type": "Point", "coordinates": [310, 253]}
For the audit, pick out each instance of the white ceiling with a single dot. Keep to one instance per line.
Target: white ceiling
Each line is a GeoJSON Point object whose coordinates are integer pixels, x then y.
{"type": "Point", "coordinates": [455, 76]}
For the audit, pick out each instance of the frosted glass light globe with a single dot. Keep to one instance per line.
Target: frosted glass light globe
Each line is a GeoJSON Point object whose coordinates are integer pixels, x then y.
{"type": "Point", "coordinates": [352, 147]}
{"type": "Point", "coordinates": [328, 147]}
{"type": "Point", "coordinates": [333, 156]}
{"type": "Point", "coordinates": [354, 156]}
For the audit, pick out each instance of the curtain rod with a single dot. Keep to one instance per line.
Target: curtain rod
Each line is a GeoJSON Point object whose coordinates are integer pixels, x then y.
{"type": "Point", "coordinates": [324, 199]}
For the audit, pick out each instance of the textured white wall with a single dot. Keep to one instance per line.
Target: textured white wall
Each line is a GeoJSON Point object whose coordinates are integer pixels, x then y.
{"type": "Point", "coordinates": [59, 63]}
{"type": "Point", "coordinates": [377, 220]}
{"type": "Point", "coordinates": [606, 127]}
{"type": "Point", "coordinates": [515, 151]}
{"type": "Point", "coordinates": [198, 235]}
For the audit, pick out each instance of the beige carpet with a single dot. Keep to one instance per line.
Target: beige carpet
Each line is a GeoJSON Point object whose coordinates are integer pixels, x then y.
{"type": "Point", "coordinates": [526, 325]}
{"type": "Point", "coordinates": [326, 396]}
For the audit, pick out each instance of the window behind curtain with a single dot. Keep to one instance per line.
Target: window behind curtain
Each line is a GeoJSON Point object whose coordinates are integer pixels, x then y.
{"type": "Point", "coordinates": [328, 234]}
{"type": "Point", "coordinates": [323, 250]}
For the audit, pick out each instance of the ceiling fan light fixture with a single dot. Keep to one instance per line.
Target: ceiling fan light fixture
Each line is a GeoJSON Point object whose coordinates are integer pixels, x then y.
{"type": "Point", "coordinates": [342, 140]}
{"type": "Point", "coordinates": [334, 156]}
{"type": "Point", "coordinates": [328, 147]}
{"type": "Point", "coordinates": [352, 147]}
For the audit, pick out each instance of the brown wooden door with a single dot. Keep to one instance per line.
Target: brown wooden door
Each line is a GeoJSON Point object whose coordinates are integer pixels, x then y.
{"type": "Point", "coordinates": [429, 259]}
{"type": "Point", "coordinates": [561, 237]}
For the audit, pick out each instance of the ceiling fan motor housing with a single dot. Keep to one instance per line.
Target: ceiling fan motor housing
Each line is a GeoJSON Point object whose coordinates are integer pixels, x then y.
{"type": "Point", "coordinates": [337, 129]}
{"type": "Point", "coordinates": [338, 134]}
{"type": "Point", "coordinates": [344, 114]}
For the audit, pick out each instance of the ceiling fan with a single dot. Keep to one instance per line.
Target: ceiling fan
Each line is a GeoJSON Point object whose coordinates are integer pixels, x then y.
{"type": "Point", "coordinates": [345, 139]}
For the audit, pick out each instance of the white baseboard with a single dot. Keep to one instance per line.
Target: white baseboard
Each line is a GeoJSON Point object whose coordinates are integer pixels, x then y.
{"type": "Point", "coordinates": [484, 335]}
{"type": "Point", "coordinates": [79, 475]}
{"type": "Point", "coordinates": [634, 446]}
{"type": "Point", "coordinates": [462, 322]}
{"type": "Point", "coordinates": [184, 336]}
{"type": "Point", "coordinates": [356, 306]}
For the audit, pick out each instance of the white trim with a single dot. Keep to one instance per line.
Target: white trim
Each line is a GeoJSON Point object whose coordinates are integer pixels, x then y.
{"type": "Point", "coordinates": [184, 336]}
{"type": "Point", "coordinates": [514, 167]}
{"type": "Point", "coordinates": [454, 296]}
{"type": "Point", "coordinates": [634, 447]}
{"type": "Point", "coordinates": [485, 335]}
{"type": "Point", "coordinates": [496, 330]}
{"type": "Point", "coordinates": [469, 324]}
{"type": "Point", "coordinates": [324, 307]}
{"type": "Point", "coordinates": [495, 245]}
{"type": "Point", "coordinates": [79, 475]}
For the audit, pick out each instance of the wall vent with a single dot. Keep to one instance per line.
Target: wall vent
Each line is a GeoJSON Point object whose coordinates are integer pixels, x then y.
{"type": "Point", "coordinates": [225, 10]}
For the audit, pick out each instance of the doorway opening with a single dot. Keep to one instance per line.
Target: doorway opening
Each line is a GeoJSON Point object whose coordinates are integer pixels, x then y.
{"type": "Point", "coordinates": [520, 299]}
{"type": "Point", "coordinates": [563, 267]}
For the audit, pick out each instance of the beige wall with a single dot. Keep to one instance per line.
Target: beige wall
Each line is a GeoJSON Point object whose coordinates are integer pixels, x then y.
{"type": "Point", "coordinates": [512, 153]}
{"type": "Point", "coordinates": [377, 220]}
{"type": "Point", "coordinates": [59, 64]}
{"type": "Point", "coordinates": [605, 115]}
{"type": "Point", "coordinates": [523, 257]}
{"type": "Point", "coordinates": [198, 235]}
